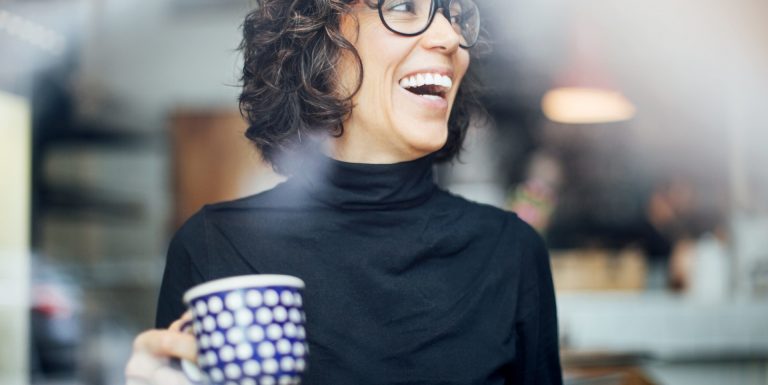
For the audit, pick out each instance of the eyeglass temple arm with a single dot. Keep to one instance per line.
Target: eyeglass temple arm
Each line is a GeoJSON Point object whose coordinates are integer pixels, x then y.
{"type": "Point", "coordinates": [445, 5]}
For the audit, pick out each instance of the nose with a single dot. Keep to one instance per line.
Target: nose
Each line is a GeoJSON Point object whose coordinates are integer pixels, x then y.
{"type": "Point", "coordinates": [441, 35]}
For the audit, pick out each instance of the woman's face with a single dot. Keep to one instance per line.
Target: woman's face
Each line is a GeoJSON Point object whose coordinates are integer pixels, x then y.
{"type": "Point", "coordinates": [390, 123]}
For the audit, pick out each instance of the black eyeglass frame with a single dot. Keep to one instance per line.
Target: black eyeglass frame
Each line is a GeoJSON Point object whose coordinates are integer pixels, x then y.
{"type": "Point", "coordinates": [436, 4]}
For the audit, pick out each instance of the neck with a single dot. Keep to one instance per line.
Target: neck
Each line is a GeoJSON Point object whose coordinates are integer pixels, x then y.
{"type": "Point", "coordinates": [346, 149]}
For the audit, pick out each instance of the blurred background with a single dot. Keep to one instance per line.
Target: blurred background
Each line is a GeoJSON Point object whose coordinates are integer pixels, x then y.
{"type": "Point", "coordinates": [632, 134]}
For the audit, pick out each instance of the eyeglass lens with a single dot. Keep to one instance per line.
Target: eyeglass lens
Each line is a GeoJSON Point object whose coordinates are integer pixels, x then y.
{"type": "Point", "coordinates": [413, 17]}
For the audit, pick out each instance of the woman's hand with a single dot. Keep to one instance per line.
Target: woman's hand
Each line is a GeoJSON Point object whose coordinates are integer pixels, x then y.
{"type": "Point", "coordinates": [150, 363]}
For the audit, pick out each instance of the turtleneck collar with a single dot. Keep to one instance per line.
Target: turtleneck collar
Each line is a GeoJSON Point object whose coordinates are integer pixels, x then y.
{"type": "Point", "coordinates": [365, 186]}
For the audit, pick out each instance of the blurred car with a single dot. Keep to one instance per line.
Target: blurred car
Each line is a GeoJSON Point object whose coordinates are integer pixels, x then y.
{"type": "Point", "coordinates": [55, 318]}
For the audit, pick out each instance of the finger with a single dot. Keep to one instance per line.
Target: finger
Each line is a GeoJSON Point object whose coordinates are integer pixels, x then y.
{"type": "Point", "coordinates": [169, 376]}
{"type": "Point", "coordinates": [166, 343]}
{"type": "Point", "coordinates": [176, 325]}
{"type": "Point", "coordinates": [135, 381]}
{"type": "Point", "coordinates": [141, 365]}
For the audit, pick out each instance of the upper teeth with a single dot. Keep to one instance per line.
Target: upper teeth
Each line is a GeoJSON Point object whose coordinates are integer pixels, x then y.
{"type": "Point", "coordinates": [419, 80]}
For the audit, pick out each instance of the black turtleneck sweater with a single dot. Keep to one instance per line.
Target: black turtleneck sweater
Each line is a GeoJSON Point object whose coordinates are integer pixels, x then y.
{"type": "Point", "coordinates": [405, 282]}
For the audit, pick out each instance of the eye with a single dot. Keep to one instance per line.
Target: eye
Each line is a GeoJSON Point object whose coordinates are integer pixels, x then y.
{"type": "Point", "coordinates": [402, 6]}
{"type": "Point", "coordinates": [461, 17]}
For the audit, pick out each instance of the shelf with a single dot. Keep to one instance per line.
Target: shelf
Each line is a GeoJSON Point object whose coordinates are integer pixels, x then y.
{"type": "Point", "coordinates": [101, 275]}
{"type": "Point", "coordinates": [665, 326]}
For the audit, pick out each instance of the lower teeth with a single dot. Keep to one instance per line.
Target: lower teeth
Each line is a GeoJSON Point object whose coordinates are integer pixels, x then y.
{"type": "Point", "coordinates": [431, 97]}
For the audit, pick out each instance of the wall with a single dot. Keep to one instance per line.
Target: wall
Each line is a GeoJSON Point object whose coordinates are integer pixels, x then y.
{"type": "Point", "coordinates": [14, 238]}
{"type": "Point", "coordinates": [142, 59]}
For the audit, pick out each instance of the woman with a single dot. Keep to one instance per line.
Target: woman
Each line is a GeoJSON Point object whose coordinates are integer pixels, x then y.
{"type": "Point", "coordinates": [405, 283]}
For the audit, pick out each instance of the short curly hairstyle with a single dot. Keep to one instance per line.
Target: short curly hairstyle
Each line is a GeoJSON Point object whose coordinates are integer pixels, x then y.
{"type": "Point", "coordinates": [291, 49]}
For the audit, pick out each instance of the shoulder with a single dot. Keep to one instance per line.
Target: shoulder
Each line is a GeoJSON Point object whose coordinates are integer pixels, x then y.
{"type": "Point", "coordinates": [191, 231]}
{"type": "Point", "coordinates": [519, 233]}
{"type": "Point", "coordinates": [445, 198]}
{"type": "Point", "coordinates": [274, 197]}
{"type": "Point", "coordinates": [482, 211]}
{"type": "Point", "coordinates": [194, 231]}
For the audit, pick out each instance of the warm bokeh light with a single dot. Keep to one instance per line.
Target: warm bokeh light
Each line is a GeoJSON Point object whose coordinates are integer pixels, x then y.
{"type": "Point", "coordinates": [577, 105]}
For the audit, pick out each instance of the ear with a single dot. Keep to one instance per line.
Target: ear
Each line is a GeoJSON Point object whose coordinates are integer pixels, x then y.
{"type": "Point", "coordinates": [350, 25]}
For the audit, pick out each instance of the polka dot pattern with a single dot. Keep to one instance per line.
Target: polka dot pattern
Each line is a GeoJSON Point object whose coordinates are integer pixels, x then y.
{"type": "Point", "coordinates": [234, 300]}
{"type": "Point", "coordinates": [269, 366]}
{"type": "Point", "coordinates": [289, 330]}
{"type": "Point", "coordinates": [225, 320]}
{"type": "Point", "coordinates": [271, 297]}
{"type": "Point", "coordinates": [252, 368]}
{"type": "Point", "coordinates": [209, 324]}
{"type": "Point", "coordinates": [295, 315]}
{"type": "Point", "coordinates": [227, 353]}
{"type": "Point", "coordinates": [235, 336]}
{"type": "Point", "coordinates": [253, 298]}
{"type": "Point", "coordinates": [244, 317]}
{"type": "Point", "coordinates": [286, 297]}
{"type": "Point", "coordinates": [264, 316]}
{"type": "Point", "coordinates": [284, 347]}
{"type": "Point", "coordinates": [215, 304]}
{"type": "Point", "coordinates": [251, 337]}
{"type": "Point", "coordinates": [255, 333]}
{"type": "Point", "coordinates": [274, 332]}
{"type": "Point", "coordinates": [232, 371]}
{"type": "Point", "coordinates": [216, 374]}
{"type": "Point", "coordinates": [201, 308]}
{"type": "Point", "coordinates": [279, 314]}
{"type": "Point", "coordinates": [217, 339]}
{"type": "Point", "coordinates": [286, 364]}
{"type": "Point", "coordinates": [211, 358]}
{"type": "Point", "coordinates": [266, 349]}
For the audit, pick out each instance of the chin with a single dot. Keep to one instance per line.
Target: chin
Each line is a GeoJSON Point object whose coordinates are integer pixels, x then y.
{"type": "Point", "coordinates": [427, 140]}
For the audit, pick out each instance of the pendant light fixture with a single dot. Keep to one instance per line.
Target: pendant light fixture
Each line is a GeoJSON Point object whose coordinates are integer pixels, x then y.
{"type": "Point", "coordinates": [584, 92]}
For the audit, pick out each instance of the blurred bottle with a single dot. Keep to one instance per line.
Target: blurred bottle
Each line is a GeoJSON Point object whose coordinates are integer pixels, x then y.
{"type": "Point", "coordinates": [535, 199]}
{"type": "Point", "coordinates": [710, 270]}
{"type": "Point", "coordinates": [750, 234]}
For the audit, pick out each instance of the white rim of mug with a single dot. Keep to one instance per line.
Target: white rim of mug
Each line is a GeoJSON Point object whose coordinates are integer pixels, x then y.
{"type": "Point", "coordinates": [242, 282]}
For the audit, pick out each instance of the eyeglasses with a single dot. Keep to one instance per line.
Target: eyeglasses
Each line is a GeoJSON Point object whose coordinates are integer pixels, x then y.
{"type": "Point", "coordinates": [413, 17]}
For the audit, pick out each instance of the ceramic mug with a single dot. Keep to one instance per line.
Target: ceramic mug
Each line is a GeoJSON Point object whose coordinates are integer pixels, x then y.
{"type": "Point", "coordinates": [249, 331]}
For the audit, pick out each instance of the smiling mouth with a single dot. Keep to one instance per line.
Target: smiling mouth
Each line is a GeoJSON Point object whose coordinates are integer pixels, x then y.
{"type": "Point", "coordinates": [429, 85]}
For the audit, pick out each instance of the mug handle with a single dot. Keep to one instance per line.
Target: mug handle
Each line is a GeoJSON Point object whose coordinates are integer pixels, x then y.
{"type": "Point", "coordinates": [193, 372]}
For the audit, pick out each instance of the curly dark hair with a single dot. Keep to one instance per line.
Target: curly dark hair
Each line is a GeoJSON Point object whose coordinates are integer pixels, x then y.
{"type": "Point", "coordinates": [291, 49]}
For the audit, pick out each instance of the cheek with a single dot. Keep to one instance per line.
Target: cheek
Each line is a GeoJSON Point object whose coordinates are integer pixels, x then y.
{"type": "Point", "coordinates": [380, 57]}
{"type": "Point", "coordinates": [462, 62]}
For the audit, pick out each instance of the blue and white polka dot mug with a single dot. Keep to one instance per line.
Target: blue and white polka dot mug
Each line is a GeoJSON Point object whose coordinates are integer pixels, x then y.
{"type": "Point", "coordinates": [249, 331]}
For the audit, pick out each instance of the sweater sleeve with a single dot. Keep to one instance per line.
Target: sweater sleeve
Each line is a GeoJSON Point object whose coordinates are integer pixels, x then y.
{"type": "Point", "coordinates": [183, 269]}
{"type": "Point", "coordinates": [538, 356]}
